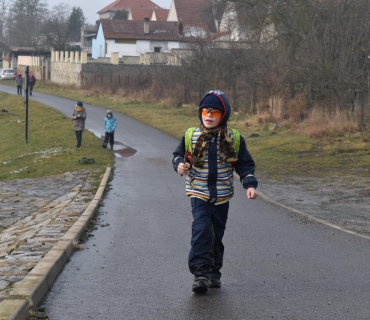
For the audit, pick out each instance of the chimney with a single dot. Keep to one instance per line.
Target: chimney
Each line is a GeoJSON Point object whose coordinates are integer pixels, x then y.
{"type": "Point", "coordinates": [181, 28]}
{"type": "Point", "coordinates": [146, 25]}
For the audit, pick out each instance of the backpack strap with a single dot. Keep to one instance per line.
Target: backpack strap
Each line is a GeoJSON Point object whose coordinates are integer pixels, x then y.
{"type": "Point", "coordinates": [236, 139]}
{"type": "Point", "coordinates": [188, 142]}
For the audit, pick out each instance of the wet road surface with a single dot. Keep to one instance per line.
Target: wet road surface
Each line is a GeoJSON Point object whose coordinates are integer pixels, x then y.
{"type": "Point", "coordinates": [277, 266]}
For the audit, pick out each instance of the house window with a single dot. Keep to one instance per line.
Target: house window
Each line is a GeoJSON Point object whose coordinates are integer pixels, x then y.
{"type": "Point", "coordinates": [157, 49]}
{"type": "Point", "coordinates": [106, 48]}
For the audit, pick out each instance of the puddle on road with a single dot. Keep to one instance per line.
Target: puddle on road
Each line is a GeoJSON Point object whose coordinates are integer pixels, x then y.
{"type": "Point", "coordinates": [120, 149]}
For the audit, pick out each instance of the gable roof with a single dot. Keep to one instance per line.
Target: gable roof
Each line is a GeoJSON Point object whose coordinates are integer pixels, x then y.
{"type": "Point", "coordinates": [196, 11]}
{"type": "Point", "coordinates": [161, 14]}
{"type": "Point", "coordinates": [140, 14]}
{"type": "Point", "coordinates": [129, 5]}
{"type": "Point", "coordinates": [158, 30]}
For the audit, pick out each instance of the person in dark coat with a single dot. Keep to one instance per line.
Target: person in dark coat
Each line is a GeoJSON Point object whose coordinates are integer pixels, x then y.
{"type": "Point", "coordinates": [31, 82]}
{"type": "Point", "coordinates": [207, 155]}
{"type": "Point", "coordinates": [19, 82]}
{"type": "Point", "coordinates": [78, 118]}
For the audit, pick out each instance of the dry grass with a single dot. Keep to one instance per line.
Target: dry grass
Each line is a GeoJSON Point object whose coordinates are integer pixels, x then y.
{"type": "Point", "coordinates": [298, 108]}
{"type": "Point", "coordinates": [319, 124]}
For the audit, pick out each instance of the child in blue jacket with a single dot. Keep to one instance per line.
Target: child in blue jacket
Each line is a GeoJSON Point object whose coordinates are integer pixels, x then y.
{"type": "Point", "coordinates": [110, 125]}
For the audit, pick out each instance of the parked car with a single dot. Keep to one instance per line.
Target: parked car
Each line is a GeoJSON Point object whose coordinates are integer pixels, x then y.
{"type": "Point", "coordinates": [7, 74]}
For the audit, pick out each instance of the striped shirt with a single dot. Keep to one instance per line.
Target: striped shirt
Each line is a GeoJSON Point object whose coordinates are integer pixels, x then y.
{"type": "Point", "coordinates": [197, 178]}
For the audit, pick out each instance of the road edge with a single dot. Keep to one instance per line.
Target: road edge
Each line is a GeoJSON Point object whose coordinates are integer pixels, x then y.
{"type": "Point", "coordinates": [29, 292]}
{"type": "Point", "coordinates": [313, 218]}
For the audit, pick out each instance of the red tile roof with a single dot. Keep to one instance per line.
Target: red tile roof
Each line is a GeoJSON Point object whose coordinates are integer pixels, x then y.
{"type": "Point", "coordinates": [140, 14]}
{"type": "Point", "coordinates": [130, 29]}
{"type": "Point", "coordinates": [161, 14]}
{"type": "Point", "coordinates": [158, 30]}
{"type": "Point", "coordinates": [128, 5]}
{"type": "Point", "coordinates": [196, 11]}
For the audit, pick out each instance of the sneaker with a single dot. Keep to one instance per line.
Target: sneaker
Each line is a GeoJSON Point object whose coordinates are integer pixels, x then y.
{"type": "Point", "coordinates": [215, 283]}
{"type": "Point", "coordinates": [111, 147]}
{"type": "Point", "coordinates": [200, 284]}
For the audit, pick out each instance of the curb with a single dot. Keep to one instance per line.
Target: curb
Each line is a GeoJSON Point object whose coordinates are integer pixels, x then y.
{"type": "Point", "coordinates": [311, 217]}
{"type": "Point", "coordinates": [29, 292]}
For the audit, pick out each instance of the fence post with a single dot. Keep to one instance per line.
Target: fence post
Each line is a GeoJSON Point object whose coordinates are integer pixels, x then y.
{"type": "Point", "coordinates": [26, 101]}
{"type": "Point", "coordinates": [128, 84]}
{"type": "Point", "coordinates": [362, 108]}
{"type": "Point", "coordinates": [111, 82]}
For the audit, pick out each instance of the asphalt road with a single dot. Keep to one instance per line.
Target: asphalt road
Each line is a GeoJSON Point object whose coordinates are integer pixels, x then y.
{"type": "Point", "coordinates": [276, 265]}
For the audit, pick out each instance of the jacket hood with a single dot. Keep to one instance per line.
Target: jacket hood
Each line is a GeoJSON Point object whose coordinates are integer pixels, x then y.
{"type": "Point", "coordinates": [225, 103]}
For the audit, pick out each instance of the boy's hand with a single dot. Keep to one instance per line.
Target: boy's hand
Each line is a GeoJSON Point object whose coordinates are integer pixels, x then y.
{"type": "Point", "coordinates": [251, 193]}
{"type": "Point", "coordinates": [183, 168]}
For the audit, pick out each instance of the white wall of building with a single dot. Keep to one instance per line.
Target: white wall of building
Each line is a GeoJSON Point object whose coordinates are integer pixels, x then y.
{"type": "Point", "coordinates": [107, 15]}
{"type": "Point", "coordinates": [141, 47]}
{"type": "Point", "coordinates": [123, 49]}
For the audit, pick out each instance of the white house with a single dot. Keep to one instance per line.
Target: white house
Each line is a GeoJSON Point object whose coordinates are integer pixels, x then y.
{"type": "Point", "coordinates": [133, 38]}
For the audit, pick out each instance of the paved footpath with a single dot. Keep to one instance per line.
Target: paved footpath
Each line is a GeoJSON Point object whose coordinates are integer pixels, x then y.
{"type": "Point", "coordinates": [34, 215]}
{"type": "Point", "coordinates": [277, 265]}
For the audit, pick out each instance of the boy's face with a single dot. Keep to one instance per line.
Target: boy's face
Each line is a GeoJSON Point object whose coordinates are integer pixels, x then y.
{"type": "Point", "coordinates": [211, 117]}
{"type": "Point", "coordinates": [109, 115]}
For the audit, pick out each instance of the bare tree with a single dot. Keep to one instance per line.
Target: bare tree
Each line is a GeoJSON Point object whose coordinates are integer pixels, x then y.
{"type": "Point", "coordinates": [25, 21]}
{"type": "Point", "coordinates": [3, 13]}
{"type": "Point", "coordinates": [57, 28]}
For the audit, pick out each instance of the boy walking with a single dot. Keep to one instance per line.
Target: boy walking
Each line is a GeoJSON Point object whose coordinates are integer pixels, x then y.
{"type": "Point", "coordinates": [110, 125]}
{"type": "Point", "coordinates": [207, 156]}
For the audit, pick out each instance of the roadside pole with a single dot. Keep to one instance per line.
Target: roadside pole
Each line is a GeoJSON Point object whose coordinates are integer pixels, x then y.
{"type": "Point", "coordinates": [26, 101]}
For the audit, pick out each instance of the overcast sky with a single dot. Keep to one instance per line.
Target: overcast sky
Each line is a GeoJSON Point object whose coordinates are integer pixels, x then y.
{"type": "Point", "coordinates": [90, 8]}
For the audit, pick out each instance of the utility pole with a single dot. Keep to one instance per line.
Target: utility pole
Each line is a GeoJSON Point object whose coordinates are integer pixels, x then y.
{"type": "Point", "coordinates": [26, 101]}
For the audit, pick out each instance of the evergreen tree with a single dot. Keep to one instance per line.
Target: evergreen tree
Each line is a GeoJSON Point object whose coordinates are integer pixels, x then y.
{"type": "Point", "coordinates": [76, 23]}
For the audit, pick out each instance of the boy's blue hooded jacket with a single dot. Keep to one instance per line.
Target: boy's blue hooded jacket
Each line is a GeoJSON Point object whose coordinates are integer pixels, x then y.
{"type": "Point", "coordinates": [110, 124]}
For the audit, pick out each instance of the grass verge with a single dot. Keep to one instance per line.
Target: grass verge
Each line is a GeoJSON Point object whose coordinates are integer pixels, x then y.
{"type": "Point", "coordinates": [277, 152]}
{"type": "Point", "coordinates": [51, 143]}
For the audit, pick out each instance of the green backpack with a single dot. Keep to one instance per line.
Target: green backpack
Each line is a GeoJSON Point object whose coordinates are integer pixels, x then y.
{"type": "Point", "coordinates": [189, 135]}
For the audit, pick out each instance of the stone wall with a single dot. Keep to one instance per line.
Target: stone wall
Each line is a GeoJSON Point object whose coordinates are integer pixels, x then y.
{"type": "Point", "coordinates": [66, 67]}
{"type": "Point", "coordinates": [66, 73]}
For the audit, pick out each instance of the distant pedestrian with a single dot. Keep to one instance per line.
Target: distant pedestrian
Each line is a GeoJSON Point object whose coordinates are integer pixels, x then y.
{"type": "Point", "coordinates": [31, 82]}
{"type": "Point", "coordinates": [19, 82]}
{"type": "Point", "coordinates": [110, 125]}
{"type": "Point", "coordinates": [207, 156]}
{"type": "Point", "coordinates": [78, 117]}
